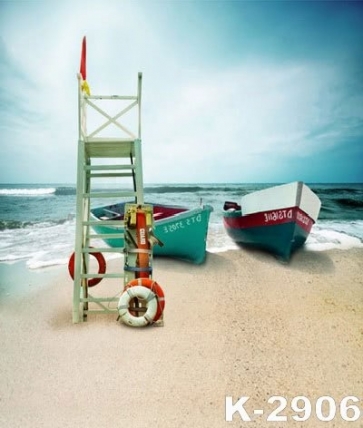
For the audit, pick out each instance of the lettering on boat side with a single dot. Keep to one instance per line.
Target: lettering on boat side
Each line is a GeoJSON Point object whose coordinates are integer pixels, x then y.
{"type": "Point", "coordinates": [302, 218]}
{"type": "Point", "coordinates": [278, 215]}
{"type": "Point", "coordinates": [182, 224]}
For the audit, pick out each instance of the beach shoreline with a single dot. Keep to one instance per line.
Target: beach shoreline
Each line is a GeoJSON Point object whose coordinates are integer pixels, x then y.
{"type": "Point", "coordinates": [241, 324]}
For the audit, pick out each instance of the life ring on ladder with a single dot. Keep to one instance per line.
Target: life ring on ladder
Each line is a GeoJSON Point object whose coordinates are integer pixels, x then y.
{"type": "Point", "coordinates": [101, 268]}
{"type": "Point", "coordinates": [155, 288]}
{"type": "Point", "coordinates": [142, 293]}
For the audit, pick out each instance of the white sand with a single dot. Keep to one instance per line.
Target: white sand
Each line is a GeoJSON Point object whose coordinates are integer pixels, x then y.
{"type": "Point", "coordinates": [240, 325]}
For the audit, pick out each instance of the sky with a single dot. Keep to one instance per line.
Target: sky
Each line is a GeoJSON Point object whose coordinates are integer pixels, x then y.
{"type": "Point", "coordinates": [233, 91]}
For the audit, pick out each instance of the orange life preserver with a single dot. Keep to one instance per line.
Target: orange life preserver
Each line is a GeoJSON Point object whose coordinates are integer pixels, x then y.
{"type": "Point", "coordinates": [101, 268]}
{"type": "Point", "coordinates": [155, 288]}
{"type": "Point", "coordinates": [142, 244]}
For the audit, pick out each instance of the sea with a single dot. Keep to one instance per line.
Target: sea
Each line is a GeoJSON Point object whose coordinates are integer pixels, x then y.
{"type": "Point", "coordinates": [37, 221]}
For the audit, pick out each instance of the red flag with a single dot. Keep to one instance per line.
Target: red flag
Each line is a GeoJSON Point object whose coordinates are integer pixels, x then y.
{"type": "Point", "coordinates": [82, 69]}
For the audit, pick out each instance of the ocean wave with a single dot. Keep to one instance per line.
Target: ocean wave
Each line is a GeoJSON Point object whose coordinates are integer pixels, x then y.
{"type": "Point", "coordinates": [334, 237]}
{"type": "Point", "coordinates": [65, 191]}
{"type": "Point", "coordinates": [39, 227]}
{"type": "Point", "coordinates": [350, 228]}
{"type": "Point", "coordinates": [41, 244]}
{"type": "Point", "coordinates": [350, 202]}
{"type": "Point", "coordinates": [333, 190]}
{"type": "Point", "coordinates": [40, 191]}
{"type": "Point", "coordinates": [50, 244]}
{"type": "Point", "coordinates": [16, 224]}
{"type": "Point", "coordinates": [28, 192]}
{"type": "Point", "coordinates": [191, 189]}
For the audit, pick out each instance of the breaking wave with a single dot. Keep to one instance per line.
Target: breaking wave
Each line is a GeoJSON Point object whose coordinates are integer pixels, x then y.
{"type": "Point", "coordinates": [40, 191]}
{"type": "Point", "coordinates": [28, 192]}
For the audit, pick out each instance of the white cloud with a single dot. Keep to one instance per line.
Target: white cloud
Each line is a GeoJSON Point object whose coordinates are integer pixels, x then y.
{"type": "Point", "coordinates": [259, 109]}
{"type": "Point", "coordinates": [199, 123]}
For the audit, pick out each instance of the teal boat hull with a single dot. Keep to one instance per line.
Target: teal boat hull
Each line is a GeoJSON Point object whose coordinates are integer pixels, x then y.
{"type": "Point", "coordinates": [281, 239]}
{"type": "Point", "coordinates": [183, 232]}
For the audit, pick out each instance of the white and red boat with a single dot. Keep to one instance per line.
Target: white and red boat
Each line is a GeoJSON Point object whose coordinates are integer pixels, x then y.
{"type": "Point", "coordinates": [277, 219]}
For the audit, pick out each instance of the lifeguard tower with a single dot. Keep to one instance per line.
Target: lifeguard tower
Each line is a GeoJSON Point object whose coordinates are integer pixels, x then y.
{"type": "Point", "coordinates": [110, 151]}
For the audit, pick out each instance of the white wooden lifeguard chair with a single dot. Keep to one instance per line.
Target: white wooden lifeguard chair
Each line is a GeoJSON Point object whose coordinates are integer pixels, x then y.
{"type": "Point", "coordinates": [111, 151]}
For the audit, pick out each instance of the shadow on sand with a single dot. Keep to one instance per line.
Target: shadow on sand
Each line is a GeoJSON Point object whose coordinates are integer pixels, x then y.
{"type": "Point", "coordinates": [301, 260]}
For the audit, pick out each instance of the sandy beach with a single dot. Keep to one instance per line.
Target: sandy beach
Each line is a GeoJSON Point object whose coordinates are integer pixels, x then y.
{"type": "Point", "coordinates": [242, 324]}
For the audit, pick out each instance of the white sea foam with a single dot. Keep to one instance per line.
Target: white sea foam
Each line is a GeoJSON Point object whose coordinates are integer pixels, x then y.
{"type": "Point", "coordinates": [323, 236]}
{"type": "Point", "coordinates": [49, 244]}
{"type": "Point", "coordinates": [24, 236]}
{"type": "Point", "coordinates": [39, 244]}
{"type": "Point", "coordinates": [218, 241]}
{"type": "Point", "coordinates": [27, 192]}
{"type": "Point", "coordinates": [321, 239]}
{"type": "Point", "coordinates": [41, 263]}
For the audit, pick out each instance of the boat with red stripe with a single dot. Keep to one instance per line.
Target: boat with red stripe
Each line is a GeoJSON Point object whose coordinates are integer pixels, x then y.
{"type": "Point", "coordinates": [277, 219]}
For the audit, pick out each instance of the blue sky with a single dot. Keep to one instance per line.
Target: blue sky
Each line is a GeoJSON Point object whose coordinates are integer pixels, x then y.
{"type": "Point", "coordinates": [233, 91]}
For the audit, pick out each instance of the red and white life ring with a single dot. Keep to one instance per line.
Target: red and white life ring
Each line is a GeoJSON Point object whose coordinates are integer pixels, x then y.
{"type": "Point", "coordinates": [142, 293]}
{"type": "Point", "coordinates": [101, 268]}
{"type": "Point", "coordinates": [155, 288]}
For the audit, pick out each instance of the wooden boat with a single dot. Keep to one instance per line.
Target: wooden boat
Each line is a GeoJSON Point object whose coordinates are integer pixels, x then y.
{"type": "Point", "coordinates": [277, 219]}
{"type": "Point", "coordinates": [182, 231]}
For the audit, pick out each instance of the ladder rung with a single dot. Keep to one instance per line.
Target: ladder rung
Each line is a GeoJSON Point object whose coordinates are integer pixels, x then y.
{"type": "Point", "coordinates": [111, 97]}
{"type": "Point", "coordinates": [109, 194]}
{"type": "Point", "coordinates": [100, 311]}
{"type": "Point", "coordinates": [102, 275]}
{"type": "Point", "coordinates": [108, 167]}
{"type": "Point", "coordinates": [110, 174]}
{"type": "Point", "coordinates": [103, 250]}
{"type": "Point", "coordinates": [107, 236]}
{"type": "Point", "coordinates": [105, 140]}
{"type": "Point", "coordinates": [100, 299]}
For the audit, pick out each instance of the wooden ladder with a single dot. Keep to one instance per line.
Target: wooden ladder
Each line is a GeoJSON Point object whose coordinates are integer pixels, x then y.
{"type": "Point", "coordinates": [110, 153]}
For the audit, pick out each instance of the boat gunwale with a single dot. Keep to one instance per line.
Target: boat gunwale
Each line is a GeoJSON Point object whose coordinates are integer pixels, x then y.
{"type": "Point", "coordinates": [243, 220]}
{"type": "Point", "coordinates": [159, 222]}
